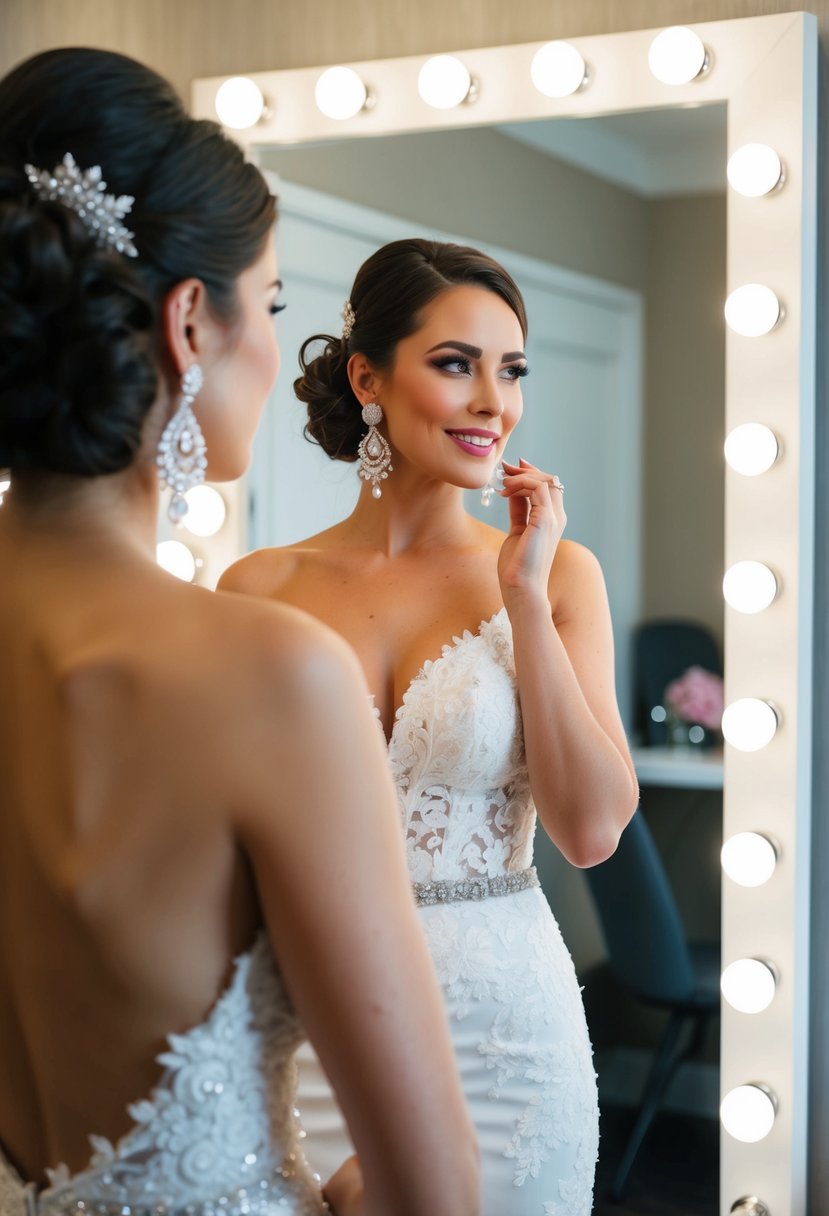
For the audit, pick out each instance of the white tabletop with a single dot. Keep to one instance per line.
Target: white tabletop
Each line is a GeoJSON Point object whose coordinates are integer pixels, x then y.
{"type": "Point", "coordinates": [681, 767]}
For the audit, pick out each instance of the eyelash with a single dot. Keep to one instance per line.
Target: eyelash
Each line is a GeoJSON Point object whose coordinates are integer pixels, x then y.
{"type": "Point", "coordinates": [518, 370]}
{"type": "Point", "coordinates": [275, 308]}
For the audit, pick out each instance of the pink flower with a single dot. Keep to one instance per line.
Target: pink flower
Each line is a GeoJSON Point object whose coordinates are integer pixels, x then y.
{"type": "Point", "coordinates": [697, 696]}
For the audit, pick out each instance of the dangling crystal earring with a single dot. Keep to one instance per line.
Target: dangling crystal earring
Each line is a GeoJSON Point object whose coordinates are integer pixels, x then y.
{"type": "Point", "coordinates": [374, 451]}
{"type": "Point", "coordinates": [489, 489]}
{"type": "Point", "coordinates": [182, 457]}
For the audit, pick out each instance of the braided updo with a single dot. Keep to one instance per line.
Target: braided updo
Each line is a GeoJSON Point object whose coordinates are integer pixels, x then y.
{"type": "Point", "coordinates": [390, 291]}
{"type": "Point", "coordinates": [79, 324]}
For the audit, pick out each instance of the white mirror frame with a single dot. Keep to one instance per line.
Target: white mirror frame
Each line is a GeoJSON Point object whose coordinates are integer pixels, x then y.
{"type": "Point", "coordinates": [765, 68]}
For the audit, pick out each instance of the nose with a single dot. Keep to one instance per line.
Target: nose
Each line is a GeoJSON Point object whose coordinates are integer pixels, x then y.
{"type": "Point", "coordinates": [489, 402]}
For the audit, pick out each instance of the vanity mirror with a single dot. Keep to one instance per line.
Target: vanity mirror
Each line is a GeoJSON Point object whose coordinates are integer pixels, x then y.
{"type": "Point", "coordinates": [758, 75]}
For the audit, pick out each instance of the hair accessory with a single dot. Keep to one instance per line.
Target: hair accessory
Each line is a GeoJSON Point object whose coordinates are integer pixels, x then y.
{"type": "Point", "coordinates": [349, 317]}
{"type": "Point", "coordinates": [84, 191]}
{"type": "Point", "coordinates": [182, 454]}
{"type": "Point", "coordinates": [374, 451]}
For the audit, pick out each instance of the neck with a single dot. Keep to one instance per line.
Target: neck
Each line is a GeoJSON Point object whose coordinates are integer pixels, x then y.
{"type": "Point", "coordinates": [118, 510]}
{"type": "Point", "coordinates": [413, 513]}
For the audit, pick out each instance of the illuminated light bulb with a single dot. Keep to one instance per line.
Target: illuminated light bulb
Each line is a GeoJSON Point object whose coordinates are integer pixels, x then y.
{"type": "Point", "coordinates": [749, 859]}
{"type": "Point", "coordinates": [754, 170]}
{"type": "Point", "coordinates": [207, 511]}
{"type": "Point", "coordinates": [558, 69]}
{"type": "Point", "coordinates": [340, 93]}
{"type": "Point", "coordinates": [751, 449]}
{"type": "Point", "coordinates": [678, 56]}
{"type": "Point", "coordinates": [177, 559]}
{"type": "Point", "coordinates": [749, 985]}
{"type": "Point", "coordinates": [749, 724]}
{"type": "Point", "coordinates": [444, 82]}
{"type": "Point", "coordinates": [748, 1112]}
{"type": "Point", "coordinates": [752, 310]}
{"type": "Point", "coordinates": [4, 485]}
{"type": "Point", "coordinates": [749, 586]}
{"type": "Point", "coordinates": [240, 103]}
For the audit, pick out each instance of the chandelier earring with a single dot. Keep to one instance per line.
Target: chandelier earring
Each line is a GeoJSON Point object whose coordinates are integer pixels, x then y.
{"type": "Point", "coordinates": [182, 454]}
{"type": "Point", "coordinates": [374, 451]}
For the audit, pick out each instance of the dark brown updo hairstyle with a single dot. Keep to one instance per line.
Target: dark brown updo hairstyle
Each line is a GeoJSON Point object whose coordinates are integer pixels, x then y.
{"type": "Point", "coordinates": [389, 292]}
{"type": "Point", "coordinates": [80, 325]}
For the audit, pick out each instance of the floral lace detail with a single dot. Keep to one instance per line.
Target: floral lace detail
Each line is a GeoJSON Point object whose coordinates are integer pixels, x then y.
{"type": "Point", "coordinates": [218, 1132]}
{"type": "Point", "coordinates": [507, 955]}
{"type": "Point", "coordinates": [457, 756]}
{"type": "Point", "coordinates": [13, 1191]}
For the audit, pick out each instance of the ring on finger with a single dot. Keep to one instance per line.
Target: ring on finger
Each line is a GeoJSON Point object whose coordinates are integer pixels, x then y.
{"type": "Point", "coordinates": [557, 485]}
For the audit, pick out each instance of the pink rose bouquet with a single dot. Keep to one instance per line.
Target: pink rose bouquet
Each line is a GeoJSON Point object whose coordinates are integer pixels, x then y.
{"type": "Point", "coordinates": [697, 696]}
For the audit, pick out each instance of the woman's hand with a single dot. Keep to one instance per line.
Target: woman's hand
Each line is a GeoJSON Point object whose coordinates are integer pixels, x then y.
{"type": "Point", "coordinates": [344, 1191]}
{"type": "Point", "coordinates": [537, 519]}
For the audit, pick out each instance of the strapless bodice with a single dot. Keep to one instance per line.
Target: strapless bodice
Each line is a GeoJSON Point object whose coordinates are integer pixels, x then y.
{"type": "Point", "coordinates": [216, 1137]}
{"type": "Point", "coordinates": [457, 758]}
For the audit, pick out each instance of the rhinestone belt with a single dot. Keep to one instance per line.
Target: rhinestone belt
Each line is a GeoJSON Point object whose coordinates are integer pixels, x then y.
{"type": "Point", "coordinates": [455, 890]}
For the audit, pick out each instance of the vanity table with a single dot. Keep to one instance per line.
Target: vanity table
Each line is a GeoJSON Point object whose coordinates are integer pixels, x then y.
{"type": "Point", "coordinates": [679, 767]}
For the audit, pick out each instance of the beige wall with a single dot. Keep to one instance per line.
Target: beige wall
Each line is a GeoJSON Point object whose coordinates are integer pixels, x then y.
{"type": "Point", "coordinates": [485, 186]}
{"type": "Point", "coordinates": [187, 38]}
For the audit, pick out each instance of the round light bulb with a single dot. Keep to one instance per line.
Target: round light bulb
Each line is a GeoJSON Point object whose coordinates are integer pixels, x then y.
{"type": "Point", "coordinates": [177, 559]}
{"type": "Point", "coordinates": [749, 859]}
{"type": "Point", "coordinates": [340, 93]}
{"type": "Point", "coordinates": [677, 55]}
{"type": "Point", "coordinates": [444, 82]}
{"type": "Point", "coordinates": [239, 103]}
{"type": "Point", "coordinates": [749, 724]}
{"type": "Point", "coordinates": [751, 449]}
{"type": "Point", "coordinates": [749, 586]}
{"type": "Point", "coordinates": [558, 69]}
{"type": "Point", "coordinates": [748, 1112]}
{"type": "Point", "coordinates": [4, 485]}
{"type": "Point", "coordinates": [206, 511]}
{"type": "Point", "coordinates": [749, 985]}
{"type": "Point", "coordinates": [754, 170]}
{"type": "Point", "coordinates": [752, 310]}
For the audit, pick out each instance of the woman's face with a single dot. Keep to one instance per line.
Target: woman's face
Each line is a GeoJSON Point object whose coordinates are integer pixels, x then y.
{"type": "Point", "coordinates": [453, 395]}
{"type": "Point", "coordinates": [240, 378]}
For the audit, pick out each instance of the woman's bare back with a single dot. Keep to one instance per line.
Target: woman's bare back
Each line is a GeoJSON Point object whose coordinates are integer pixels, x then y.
{"type": "Point", "coordinates": [125, 894]}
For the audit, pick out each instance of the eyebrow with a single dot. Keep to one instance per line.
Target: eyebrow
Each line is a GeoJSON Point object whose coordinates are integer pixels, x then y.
{"type": "Point", "coordinates": [475, 352]}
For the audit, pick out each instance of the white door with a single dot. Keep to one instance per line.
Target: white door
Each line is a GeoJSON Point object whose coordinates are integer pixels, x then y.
{"type": "Point", "coordinates": [582, 400]}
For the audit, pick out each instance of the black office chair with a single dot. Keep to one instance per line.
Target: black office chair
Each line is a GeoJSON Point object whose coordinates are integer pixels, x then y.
{"type": "Point", "coordinates": [663, 651]}
{"type": "Point", "coordinates": [649, 954]}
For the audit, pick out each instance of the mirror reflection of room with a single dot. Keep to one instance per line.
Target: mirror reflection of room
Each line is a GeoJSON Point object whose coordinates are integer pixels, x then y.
{"type": "Point", "coordinates": [615, 230]}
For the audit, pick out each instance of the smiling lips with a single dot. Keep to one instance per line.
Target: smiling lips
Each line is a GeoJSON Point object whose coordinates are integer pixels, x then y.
{"type": "Point", "coordinates": [474, 441]}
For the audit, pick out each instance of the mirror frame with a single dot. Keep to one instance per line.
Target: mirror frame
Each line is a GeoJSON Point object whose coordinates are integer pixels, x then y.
{"type": "Point", "coordinates": [765, 69]}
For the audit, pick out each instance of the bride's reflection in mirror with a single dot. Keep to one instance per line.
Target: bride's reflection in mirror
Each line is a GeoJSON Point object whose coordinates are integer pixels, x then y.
{"type": "Point", "coordinates": [615, 230]}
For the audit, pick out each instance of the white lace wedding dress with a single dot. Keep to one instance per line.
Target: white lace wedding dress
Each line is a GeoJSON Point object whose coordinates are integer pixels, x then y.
{"type": "Point", "coordinates": [218, 1136]}
{"type": "Point", "coordinates": [511, 993]}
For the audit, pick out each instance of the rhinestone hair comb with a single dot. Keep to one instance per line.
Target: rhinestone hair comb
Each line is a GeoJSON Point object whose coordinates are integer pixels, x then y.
{"type": "Point", "coordinates": [84, 192]}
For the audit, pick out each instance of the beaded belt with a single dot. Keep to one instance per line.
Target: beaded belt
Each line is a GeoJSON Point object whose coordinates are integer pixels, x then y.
{"type": "Point", "coordinates": [456, 890]}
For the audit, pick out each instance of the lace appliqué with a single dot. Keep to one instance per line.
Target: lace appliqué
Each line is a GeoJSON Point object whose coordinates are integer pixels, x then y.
{"type": "Point", "coordinates": [218, 1129]}
{"type": "Point", "coordinates": [457, 756]}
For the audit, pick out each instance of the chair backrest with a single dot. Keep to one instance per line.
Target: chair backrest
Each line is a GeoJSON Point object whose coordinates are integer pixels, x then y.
{"type": "Point", "coordinates": [664, 650]}
{"type": "Point", "coordinates": [643, 933]}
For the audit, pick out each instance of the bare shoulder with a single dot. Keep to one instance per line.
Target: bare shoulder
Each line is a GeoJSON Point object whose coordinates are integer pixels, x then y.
{"type": "Point", "coordinates": [575, 576]}
{"type": "Point", "coordinates": [264, 572]}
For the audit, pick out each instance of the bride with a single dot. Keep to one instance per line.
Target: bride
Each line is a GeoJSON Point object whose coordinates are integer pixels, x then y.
{"type": "Point", "coordinates": [195, 802]}
{"type": "Point", "coordinates": [490, 661]}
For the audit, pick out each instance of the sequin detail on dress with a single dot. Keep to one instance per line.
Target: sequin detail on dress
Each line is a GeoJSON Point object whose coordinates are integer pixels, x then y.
{"type": "Point", "coordinates": [217, 1136]}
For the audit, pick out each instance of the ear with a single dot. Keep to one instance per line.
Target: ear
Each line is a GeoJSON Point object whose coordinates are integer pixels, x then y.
{"type": "Point", "coordinates": [186, 323]}
{"type": "Point", "coordinates": [365, 381]}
